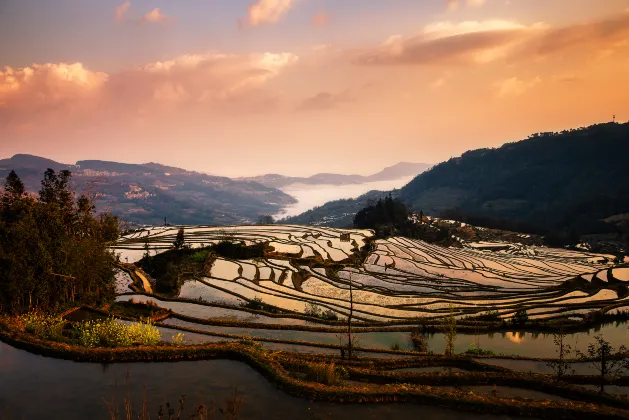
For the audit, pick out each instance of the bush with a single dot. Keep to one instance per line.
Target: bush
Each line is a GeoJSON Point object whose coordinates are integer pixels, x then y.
{"type": "Point", "coordinates": [475, 351]}
{"type": "Point", "coordinates": [330, 315]}
{"type": "Point", "coordinates": [521, 317]}
{"type": "Point", "coordinates": [312, 310]}
{"type": "Point", "coordinates": [258, 304]}
{"type": "Point", "coordinates": [201, 256]}
{"type": "Point", "coordinates": [324, 373]}
{"type": "Point", "coordinates": [109, 333]}
{"type": "Point", "coordinates": [492, 315]}
{"type": "Point", "coordinates": [179, 339]}
{"type": "Point", "coordinates": [46, 327]}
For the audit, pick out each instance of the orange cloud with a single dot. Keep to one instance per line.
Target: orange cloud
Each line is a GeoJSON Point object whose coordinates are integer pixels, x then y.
{"type": "Point", "coordinates": [321, 19]}
{"type": "Point", "coordinates": [122, 10]}
{"type": "Point", "coordinates": [472, 42]}
{"type": "Point", "coordinates": [203, 81]}
{"type": "Point", "coordinates": [44, 89]}
{"type": "Point", "coordinates": [267, 11]}
{"type": "Point", "coordinates": [453, 5]}
{"type": "Point", "coordinates": [156, 16]}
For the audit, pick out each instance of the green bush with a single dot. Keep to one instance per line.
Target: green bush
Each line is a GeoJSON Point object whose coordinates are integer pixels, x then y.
{"type": "Point", "coordinates": [46, 327]}
{"type": "Point", "coordinates": [109, 333]}
{"type": "Point", "coordinates": [200, 256]}
{"type": "Point", "coordinates": [474, 351]}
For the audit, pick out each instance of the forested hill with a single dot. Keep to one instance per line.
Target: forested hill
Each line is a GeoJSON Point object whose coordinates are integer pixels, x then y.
{"type": "Point", "coordinates": [568, 181]}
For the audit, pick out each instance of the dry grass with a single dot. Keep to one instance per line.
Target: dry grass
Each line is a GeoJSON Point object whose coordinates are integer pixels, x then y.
{"type": "Point", "coordinates": [323, 373]}
{"type": "Point", "coordinates": [231, 410]}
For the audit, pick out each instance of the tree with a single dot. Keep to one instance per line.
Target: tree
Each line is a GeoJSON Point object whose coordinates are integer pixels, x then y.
{"type": "Point", "coordinates": [53, 249]}
{"type": "Point", "coordinates": [349, 319]}
{"type": "Point", "coordinates": [560, 366]}
{"type": "Point", "coordinates": [179, 240]}
{"type": "Point", "coordinates": [605, 359]}
{"type": "Point", "coordinates": [450, 332]}
{"type": "Point", "coordinates": [266, 219]}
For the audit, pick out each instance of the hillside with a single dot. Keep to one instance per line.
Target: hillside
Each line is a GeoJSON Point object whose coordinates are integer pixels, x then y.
{"type": "Point", "coordinates": [338, 213]}
{"type": "Point", "coordinates": [148, 193]}
{"type": "Point", "coordinates": [397, 171]}
{"type": "Point", "coordinates": [569, 183]}
{"type": "Point", "coordinates": [566, 181]}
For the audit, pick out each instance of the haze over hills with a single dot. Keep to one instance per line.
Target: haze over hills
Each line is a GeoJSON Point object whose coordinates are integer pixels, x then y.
{"type": "Point", "coordinates": [570, 181]}
{"type": "Point", "coordinates": [148, 193]}
{"type": "Point", "coordinates": [397, 171]}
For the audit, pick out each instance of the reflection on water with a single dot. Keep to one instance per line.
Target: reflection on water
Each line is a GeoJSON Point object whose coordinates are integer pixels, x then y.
{"type": "Point", "coordinates": [35, 387]}
{"type": "Point", "coordinates": [533, 344]}
{"type": "Point", "coordinates": [515, 337]}
{"type": "Point", "coordinates": [310, 196]}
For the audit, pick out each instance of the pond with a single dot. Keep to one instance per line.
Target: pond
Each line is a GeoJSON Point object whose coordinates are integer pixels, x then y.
{"type": "Point", "coordinates": [34, 387]}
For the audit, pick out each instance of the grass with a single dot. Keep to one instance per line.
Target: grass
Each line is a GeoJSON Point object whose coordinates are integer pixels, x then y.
{"type": "Point", "coordinates": [43, 326]}
{"type": "Point", "coordinates": [324, 373]}
{"type": "Point", "coordinates": [109, 333]}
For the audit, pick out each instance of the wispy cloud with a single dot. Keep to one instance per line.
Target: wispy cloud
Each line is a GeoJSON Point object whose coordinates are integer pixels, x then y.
{"type": "Point", "coordinates": [324, 100]}
{"type": "Point", "coordinates": [122, 10]}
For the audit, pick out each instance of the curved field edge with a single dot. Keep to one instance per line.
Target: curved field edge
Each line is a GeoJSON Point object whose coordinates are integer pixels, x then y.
{"type": "Point", "coordinates": [270, 366]}
{"type": "Point", "coordinates": [428, 325]}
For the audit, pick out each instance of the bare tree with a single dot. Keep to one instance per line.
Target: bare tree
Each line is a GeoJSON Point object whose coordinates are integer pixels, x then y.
{"type": "Point", "coordinates": [450, 332]}
{"type": "Point", "coordinates": [349, 318]}
{"type": "Point", "coordinates": [605, 359]}
{"type": "Point", "coordinates": [560, 366]}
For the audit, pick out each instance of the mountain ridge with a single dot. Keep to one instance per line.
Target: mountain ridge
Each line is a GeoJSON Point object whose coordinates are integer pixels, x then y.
{"type": "Point", "coordinates": [397, 171]}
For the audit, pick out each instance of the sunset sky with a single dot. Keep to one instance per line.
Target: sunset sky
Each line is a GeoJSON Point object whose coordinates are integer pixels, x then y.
{"type": "Point", "coordinates": [244, 87]}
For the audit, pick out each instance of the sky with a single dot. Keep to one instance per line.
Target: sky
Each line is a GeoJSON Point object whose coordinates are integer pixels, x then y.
{"type": "Point", "coordinates": [297, 87]}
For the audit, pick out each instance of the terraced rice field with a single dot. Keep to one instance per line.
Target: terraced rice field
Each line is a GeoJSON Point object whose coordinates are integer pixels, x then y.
{"type": "Point", "coordinates": [401, 279]}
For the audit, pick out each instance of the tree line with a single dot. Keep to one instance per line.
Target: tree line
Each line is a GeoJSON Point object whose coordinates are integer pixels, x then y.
{"type": "Point", "coordinates": [53, 247]}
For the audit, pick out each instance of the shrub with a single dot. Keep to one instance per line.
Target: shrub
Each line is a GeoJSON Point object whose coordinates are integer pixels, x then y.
{"type": "Point", "coordinates": [475, 351]}
{"type": "Point", "coordinates": [521, 317]}
{"type": "Point", "coordinates": [492, 315]}
{"type": "Point", "coordinates": [109, 333]}
{"type": "Point", "coordinates": [323, 373]}
{"type": "Point", "coordinates": [200, 256]}
{"type": "Point", "coordinates": [46, 327]}
{"type": "Point", "coordinates": [313, 310]}
{"type": "Point", "coordinates": [419, 340]}
{"type": "Point", "coordinates": [179, 339]}
{"type": "Point", "coordinates": [330, 315]}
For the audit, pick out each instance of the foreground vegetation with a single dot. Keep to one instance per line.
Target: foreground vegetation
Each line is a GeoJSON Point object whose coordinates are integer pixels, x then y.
{"type": "Point", "coordinates": [325, 378]}
{"type": "Point", "coordinates": [53, 248]}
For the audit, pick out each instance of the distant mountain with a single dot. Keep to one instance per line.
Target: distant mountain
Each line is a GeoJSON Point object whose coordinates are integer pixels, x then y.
{"type": "Point", "coordinates": [30, 162]}
{"type": "Point", "coordinates": [400, 170]}
{"type": "Point", "coordinates": [148, 193]}
{"type": "Point", "coordinates": [571, 183]}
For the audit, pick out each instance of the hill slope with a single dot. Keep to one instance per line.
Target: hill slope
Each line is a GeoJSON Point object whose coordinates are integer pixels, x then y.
{"type": "Point", "coordinates": [565, 182]}
{"type": "Point", "coordinates": [556, 181]}
{"type": "Point", "coordinates": [148, 193]}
